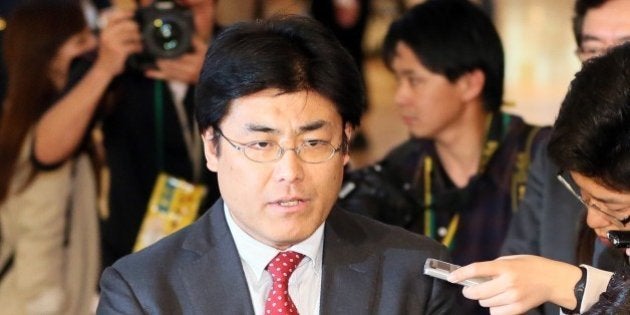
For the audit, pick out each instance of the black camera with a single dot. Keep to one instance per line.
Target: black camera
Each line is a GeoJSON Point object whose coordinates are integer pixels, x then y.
{"type": "Point", "coordinates": [619, 239]}
{"type": "Point", "coordinates": [167, 30]}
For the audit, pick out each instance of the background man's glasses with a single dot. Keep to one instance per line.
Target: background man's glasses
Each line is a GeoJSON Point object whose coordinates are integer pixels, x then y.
{"type": "Point", "coordinates": [263, 151]}
{"type": "Point", "coordinates": [574, 192]}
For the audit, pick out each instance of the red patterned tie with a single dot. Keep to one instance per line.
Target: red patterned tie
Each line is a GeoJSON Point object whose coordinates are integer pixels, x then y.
{"type": "Point", "coordinates": [281, 267]}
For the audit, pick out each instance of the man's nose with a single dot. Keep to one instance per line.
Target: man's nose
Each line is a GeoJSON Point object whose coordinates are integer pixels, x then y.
{"type": "Point", "coordinates": [289, 167]}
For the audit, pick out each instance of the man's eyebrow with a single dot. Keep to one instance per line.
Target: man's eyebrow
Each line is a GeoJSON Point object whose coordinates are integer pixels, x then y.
{"type": "Point", "coordinates": [261, 128]}
{"type": "Point", "coordinates": [587, 37]}
{"type": "Point", "coordinates": [314, 125]}
{"type": "Point", "coordinates": [406, 72]}
{"type": "Point", "coordinates": [607, 201]}
{"type": "Point", "coordinates": [318, 124]}
{"type": "Point", "coordinates": [623, 39]}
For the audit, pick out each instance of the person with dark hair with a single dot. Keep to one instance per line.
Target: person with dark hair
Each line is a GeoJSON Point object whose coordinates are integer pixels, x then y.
{"type": "Point", "coordinates": [277, 102]}
{"type": "Point", "coordinates": [49, 260]}
{"type": "Point", "coordinates": [347, 19]}
{"type": "Point", "coordinates": [590, 144]}
{"type": "Point", "coordinates": [460, 176]}
{"type": "Point", "coordinates": [550, 221]}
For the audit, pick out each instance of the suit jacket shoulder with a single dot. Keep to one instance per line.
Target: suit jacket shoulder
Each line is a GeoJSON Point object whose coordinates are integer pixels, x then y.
{"type": "Point", "coordinates": [368, 268]}
{"type": "Point", "coordinates": [194, 271]}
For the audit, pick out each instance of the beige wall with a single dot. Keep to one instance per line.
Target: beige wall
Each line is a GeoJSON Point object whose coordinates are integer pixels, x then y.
{"type": "Point", "coordinates": [540, 58]}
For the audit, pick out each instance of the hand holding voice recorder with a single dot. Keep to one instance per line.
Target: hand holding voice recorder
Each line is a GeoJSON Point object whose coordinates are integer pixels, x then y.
{"type": "Point", "coordinates": [441, 269]}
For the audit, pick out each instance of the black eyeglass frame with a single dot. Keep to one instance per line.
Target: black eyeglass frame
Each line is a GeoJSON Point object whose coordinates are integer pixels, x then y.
{"type": "Point", "coordinates": [622, 222]}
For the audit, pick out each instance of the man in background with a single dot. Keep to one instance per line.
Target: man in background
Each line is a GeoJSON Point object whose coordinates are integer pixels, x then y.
{"type": "Point", "coordinates": [459, 178]}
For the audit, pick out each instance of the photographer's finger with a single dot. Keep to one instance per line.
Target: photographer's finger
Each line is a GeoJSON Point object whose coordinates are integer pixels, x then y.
{"type": "Point", "coordinates": [124, 26]}
{"type": "Point", "coordinates": [126, 33]}
{"type": "Point", "coordinates": [112, 16]}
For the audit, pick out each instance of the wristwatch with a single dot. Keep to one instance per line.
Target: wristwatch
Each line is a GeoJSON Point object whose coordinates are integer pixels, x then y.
{"type": "Point", "coordinates": [578, 290]}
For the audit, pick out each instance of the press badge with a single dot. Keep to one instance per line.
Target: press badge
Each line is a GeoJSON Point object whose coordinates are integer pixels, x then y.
{"type": "Point", "coordinates": [174, 204]}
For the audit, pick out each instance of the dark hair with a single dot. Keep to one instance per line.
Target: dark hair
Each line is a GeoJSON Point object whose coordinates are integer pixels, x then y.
{"type": "Point", "coordinates": [579, 11]}
{"type": "Point", "coordinates": [289, 53]}
{"type": "Point", "coordinates": [591, 135]}
{"type": "Point", "coordinates": [452, 37]}
{"type": "Point", "coordinates": [36, 29]}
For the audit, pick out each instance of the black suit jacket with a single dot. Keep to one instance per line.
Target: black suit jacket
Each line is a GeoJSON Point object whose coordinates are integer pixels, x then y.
{"type": "Point", "coordinates": [368, 268]}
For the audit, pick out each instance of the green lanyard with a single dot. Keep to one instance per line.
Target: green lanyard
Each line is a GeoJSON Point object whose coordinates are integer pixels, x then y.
{"type": "Point", "coordinates": [429, 212]}
{"type": "Point", "coordinates": [190, 132]}
{"type": "Point", "coordinates": [158, 109]}
{"type": "Point", "coordinates": [490, 146]}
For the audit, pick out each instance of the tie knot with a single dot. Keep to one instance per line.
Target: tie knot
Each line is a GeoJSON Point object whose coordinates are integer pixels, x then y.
{"type": "Point", "coordinates": [282, 266]}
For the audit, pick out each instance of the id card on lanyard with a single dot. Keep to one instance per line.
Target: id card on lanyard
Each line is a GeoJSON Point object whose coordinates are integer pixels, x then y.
{"type": "Point", "coordinates": [174, 202]}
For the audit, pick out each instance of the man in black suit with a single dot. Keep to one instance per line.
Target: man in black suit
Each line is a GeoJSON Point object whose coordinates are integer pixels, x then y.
{"type": "Point", "coordinates": [277, 102]}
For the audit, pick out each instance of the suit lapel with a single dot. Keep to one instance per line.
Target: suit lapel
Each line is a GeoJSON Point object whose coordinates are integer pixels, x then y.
{"type": "Point", "coordinates": [214, 279]}
{"type": "Point", "coordinates": [350, 274]}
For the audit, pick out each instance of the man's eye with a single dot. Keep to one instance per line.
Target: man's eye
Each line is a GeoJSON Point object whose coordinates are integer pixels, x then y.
{"type": "Point", "coordinates": [413, 81]}
{"type": "Point", "coordinates": [314, 143]}
{"type": "Point", "coordinates": [261, 145]}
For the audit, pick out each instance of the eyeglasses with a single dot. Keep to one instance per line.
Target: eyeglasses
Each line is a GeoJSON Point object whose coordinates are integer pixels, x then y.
{"type": "Point", "coordinates": [586, 53]}
{"type": "Point", "coordinates": [573, 191]}
{"type": "Point", "coordinates": [263, 151]}
{"type": "Point", "coordinates": [589, 51]}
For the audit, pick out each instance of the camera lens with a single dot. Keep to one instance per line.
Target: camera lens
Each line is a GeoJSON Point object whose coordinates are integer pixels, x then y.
{"type": "Point", "coordinates": [167, 31]}
{"type": "Point", "coordinates": [166, 37]}
{"type": "Point", "coordinates": [166, 34]}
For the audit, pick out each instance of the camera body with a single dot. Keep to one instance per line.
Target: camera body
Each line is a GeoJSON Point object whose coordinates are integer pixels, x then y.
{"type": "Point", "coordinates": [167, 30]}
{"type": "Point", "coordinates": [619, 239]}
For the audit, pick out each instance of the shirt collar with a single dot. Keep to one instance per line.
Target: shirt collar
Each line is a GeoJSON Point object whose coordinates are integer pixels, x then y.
{"type": "Point", "coordinates": [257, 255]}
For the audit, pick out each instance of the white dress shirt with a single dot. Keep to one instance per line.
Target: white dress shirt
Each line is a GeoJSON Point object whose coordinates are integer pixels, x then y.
{"type": "Point", "coordinates": [304, 283]}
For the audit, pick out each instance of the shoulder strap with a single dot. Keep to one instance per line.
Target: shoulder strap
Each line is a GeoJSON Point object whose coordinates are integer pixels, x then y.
{"type": "Point", "coordinates": [521, 167]}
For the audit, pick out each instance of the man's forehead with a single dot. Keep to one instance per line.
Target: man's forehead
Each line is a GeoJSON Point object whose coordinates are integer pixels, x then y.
{"type": "Point", "coordinates": [611, 20]}
{"type": "Point", "coordinates": [273, 111]}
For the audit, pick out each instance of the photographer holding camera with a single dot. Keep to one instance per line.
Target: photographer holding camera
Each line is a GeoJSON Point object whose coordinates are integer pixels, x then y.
{"type": "Point", "coordinates": [49, 255]}
{"type": "Point", "coordinates": [149, 128]}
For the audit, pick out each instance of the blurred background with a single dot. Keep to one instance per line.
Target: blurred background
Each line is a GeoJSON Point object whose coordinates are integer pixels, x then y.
{"type": "Point", "coordinates": [537, 39]}
{"type": "Point", "coordinates": [539, 49]}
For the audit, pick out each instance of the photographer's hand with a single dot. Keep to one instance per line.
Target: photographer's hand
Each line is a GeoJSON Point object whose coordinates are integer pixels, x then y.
{"type": "Point", "coordinates": [185, 68]}
{"type": "Point", "coordinates": [520, 283]}
{"type": "Point", "coordinates": [119, 38]}
{"type": "Point", "coordinates": [62, 128]}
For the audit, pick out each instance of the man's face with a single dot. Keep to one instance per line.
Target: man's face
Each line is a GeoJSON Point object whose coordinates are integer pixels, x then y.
{"type": "Point", "coordinates": [605, 27]}
{"type": "Point", "coordinates": [283, 202]}
{"type": "Point", "coordinates": [428, 102]}
{"type": "Point", "coordinates": [606, 207]}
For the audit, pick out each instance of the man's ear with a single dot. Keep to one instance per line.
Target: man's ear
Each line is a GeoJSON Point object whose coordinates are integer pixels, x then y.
{"type": "Point", "coordinates": [471, 85]}
{"type": "Point", "coordinates": [348, 131]}
{"type": "Point", "coordinates": [210, 149]}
